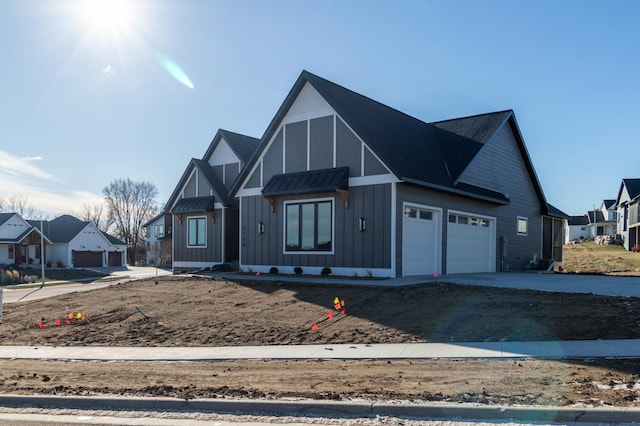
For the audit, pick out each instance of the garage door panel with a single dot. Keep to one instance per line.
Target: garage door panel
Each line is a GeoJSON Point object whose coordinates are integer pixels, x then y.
{"type": "Point", "coordinates": [87, 259]}
{"type": "Point", "coordinates": [470, 245]}
{"type": "Point", "coordinates": [420, 243]}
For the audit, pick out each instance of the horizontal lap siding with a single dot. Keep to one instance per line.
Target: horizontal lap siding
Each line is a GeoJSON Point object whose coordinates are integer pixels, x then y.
{"type": "Point", "coordinates": [352, 248]}
{"type": "Point", "coordinates": [498, 167]}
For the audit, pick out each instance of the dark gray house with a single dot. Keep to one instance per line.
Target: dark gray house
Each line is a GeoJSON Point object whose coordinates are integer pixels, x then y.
{"type": "Point", "coordinates": [204, 211]}
{"type": "Point", "coordinates": [342, 181]}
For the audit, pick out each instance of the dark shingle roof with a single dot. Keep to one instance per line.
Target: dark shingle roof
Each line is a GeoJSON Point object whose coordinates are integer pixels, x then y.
{"type": "Point", "coordinates": [478, 128]}
{"type": "Point", "coordinates": [633, 187]}
{"type": "Point", "coordinates": [64, 228]}
{"type": "Point", "coordinates": [609, 203]}
{"type": "Point", "coordinates": [599, 216]}
{"type": "Point", "coordinates": [308, 182]}
{"type": "Point", "coordinates": [242, 145]}
{"type": "Point", "coordinates": [556, 212]}
{"type": "Point", "coordinates": [5, 217]}
{"type": "Point", "coordinates": [431, 155]}
{"type": "Point", "coordinates": [113, 240]}
{"type": "Point", "coordinates": [578, 220]}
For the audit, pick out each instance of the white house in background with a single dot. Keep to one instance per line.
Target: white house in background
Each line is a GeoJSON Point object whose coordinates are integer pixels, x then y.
{"type": "Point", "coordinates": [68, 242]}
{"type": "Point", "coordinates": [19, 240]}
{"type": "Point", "coordinates": [576, 228]}
{"type": "Point", "coordinates": [600, 221]}
{"type": "Point", "coordinates": [76, 243]}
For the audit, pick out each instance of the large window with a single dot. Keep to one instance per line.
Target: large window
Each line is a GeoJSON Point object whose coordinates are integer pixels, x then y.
{"type": "Point", "coordinates": [309, 226]}
{"type": "Point", "coordinates": [197, 229]}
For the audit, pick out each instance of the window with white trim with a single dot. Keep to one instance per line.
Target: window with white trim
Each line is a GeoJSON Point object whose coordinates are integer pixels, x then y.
{"type": "Point", "coordinates": [197, 232]}
{"type": "Point", "coordinates": [309, 226]}
{"type": "Point", "coordinates": [523, 226]}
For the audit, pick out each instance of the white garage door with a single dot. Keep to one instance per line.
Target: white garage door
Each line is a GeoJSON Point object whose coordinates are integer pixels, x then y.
{"type": "Point", "coordinates": [470, 244]}
{"type": "Point", "coordinates": [420, 247]}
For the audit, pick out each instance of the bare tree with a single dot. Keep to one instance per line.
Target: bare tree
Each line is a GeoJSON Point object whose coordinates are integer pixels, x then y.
{"type": "Point", "coordinates": [95, 213]}
{"type": "Point", "coordinates": [20, 204]}
{"type": "Point", "coordinates": [130, 205]}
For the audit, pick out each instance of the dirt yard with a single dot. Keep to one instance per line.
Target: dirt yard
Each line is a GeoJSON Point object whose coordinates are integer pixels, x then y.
{"type": "Point", "coordinates": [208, 312]}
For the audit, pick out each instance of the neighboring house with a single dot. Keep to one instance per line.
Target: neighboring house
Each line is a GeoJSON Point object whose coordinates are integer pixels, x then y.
{"type": "Point", "coordinates": [19, 240]}
{"type": "Point", "coordinates": [342, 181]}
{"type": "Point", "coordinates": [159, 232]}
{"type": "Point", "coordinates": [597, 222]}
{"type": "Point", "coordinates": [628, 219]}
{"type": "Point", "coordinates": [69, 242]}
{"type": "Point", "coordinates": [577, 228]}
{"type": "Point", "coordinates": [608, 209]}
{"type": "Point", "coordinates": [76, 243]}
{"type": "Point", "coordinates": [203, 207]}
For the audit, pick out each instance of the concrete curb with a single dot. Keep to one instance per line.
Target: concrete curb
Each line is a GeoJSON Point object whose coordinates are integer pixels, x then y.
{"type": "Point", "coordinates": [329, 408]}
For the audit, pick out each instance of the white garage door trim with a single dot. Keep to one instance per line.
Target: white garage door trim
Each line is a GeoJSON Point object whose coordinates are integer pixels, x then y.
{"type": "Point", "coordinates": [471, 242]}
{"type": "Point", "coordinates": [421, 240]}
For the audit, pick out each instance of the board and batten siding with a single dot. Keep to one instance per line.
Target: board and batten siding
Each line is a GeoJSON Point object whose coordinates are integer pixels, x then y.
{"type": "Point", "coordinates": [370, 249]}
{"type": "Point", "coordinates": [212, 253]}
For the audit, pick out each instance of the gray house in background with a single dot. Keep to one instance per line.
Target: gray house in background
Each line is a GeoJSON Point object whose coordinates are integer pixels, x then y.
{"type": "Point", "coordinates": [204, 212]}
{"type": "Point", "coordinates": [342, 181]}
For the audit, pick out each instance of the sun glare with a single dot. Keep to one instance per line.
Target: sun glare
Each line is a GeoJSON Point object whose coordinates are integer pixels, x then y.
{"type": "Point", "coordinates": [109, 18]}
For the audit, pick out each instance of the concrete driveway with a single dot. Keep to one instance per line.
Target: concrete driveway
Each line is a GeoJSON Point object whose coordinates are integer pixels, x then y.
{"type": "Point", "coordinates": [564, 283]}
{"type": "Point", "coordinates": [21, 293]}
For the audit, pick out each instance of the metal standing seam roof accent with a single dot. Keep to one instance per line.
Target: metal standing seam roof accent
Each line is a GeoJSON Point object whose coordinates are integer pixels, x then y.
{"type": "Point", "coordinates": [308, 182]}
{"type": "Point", "coordinates": [194, 205]}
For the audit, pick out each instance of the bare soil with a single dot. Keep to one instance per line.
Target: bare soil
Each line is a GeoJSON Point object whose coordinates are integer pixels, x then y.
{"type": "Point", "coordinates": [211, 312]}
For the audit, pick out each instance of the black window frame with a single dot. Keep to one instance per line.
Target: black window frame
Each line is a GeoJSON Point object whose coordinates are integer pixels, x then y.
{"type": "Point", "coordinates": [317, 247]}
{"type": "Point", "coordinates": [197, 243]}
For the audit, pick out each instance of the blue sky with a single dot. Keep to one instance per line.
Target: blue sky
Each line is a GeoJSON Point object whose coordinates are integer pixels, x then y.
{"type": "Point", "coordinates": [86, 98]}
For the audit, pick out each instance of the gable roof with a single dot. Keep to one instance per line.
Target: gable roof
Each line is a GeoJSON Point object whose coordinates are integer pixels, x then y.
{"type": "Point", "coordinates": [242, 145]}
{"type": "Point", "coordinates": [432, 155]}
{"type": "Point", "coordinates": [633, 189]}
{"type": "Point", "coordinates": [64, 228]}
{"type": "Point", "coordinates": [609, 203]}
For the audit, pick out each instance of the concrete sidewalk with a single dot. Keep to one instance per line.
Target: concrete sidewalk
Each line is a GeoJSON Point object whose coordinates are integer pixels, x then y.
{"type": "Point", "coordinates": [483, 350]}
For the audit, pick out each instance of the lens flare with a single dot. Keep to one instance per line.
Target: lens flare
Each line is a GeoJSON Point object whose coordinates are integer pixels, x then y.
{"type": "Point", "coordinates": [174, 70]}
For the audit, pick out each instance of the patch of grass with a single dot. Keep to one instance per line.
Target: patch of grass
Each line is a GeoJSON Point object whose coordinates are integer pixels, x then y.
{"type": "Point", "coordinates": [590, 257]}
